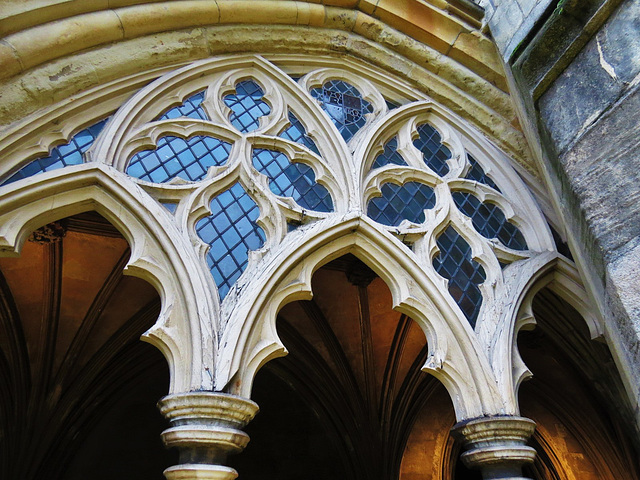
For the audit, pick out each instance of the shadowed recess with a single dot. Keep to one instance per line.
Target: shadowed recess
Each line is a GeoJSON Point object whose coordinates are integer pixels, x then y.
{"type": "Point", "coordinates": [246, 106]}
{"type": "Point", "coordinates": [175, 157]}
{"type": "Point", "coordinates": [297, 133]}
{"type": "Point", "coordinates": [68, 154]}
{"type": "Point", "coordinates": [190, 108]}
{"type": "Point", "coordinates": [476, 172]}
{"type": "Point", "coordinates": [454, 262]}
{"type": "Point", "coordinates": [489, 220]}
{"type": "Point", "coordinates": [401, 202]}
{"type": "Point", "coordinates": [435, 154]}
{"type": "Point", "coordinates": [345, 106]}
{"type": "Point", "coordinates": [294, 180]}
{"type": "Point", "coordinates": [231, 231]}
{"type": "Point", "coordinates": [389, 155]}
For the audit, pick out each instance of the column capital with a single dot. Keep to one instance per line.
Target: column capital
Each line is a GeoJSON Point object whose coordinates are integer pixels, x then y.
{"type": "Point", "coordinates": [206, 427]}
{"type": "Point", "coordinates": [497, 445]}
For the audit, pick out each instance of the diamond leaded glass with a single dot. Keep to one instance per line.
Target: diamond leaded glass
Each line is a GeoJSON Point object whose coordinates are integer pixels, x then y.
{"type": "Point", "coordinates": [231, 231]}
{"type": "Point", "coordinates": [435, 154]}
{"type": "Point", "coordinates": [175, 157]}
{"type": "Point", "coordinates": [246, 106]}
{"type": "Point", "coordinates": [489, 220]}
{"type": "Point", "coordinates": [345, 105]}
{"type": "Point", "coordinates": [389, 155]}
{"type": "Point", "coordinates": [190, 108]}
{"type": "Point", "coordinates": [400, 202]}
{"type": "Point", "coordinates": [454, 262]}
{"type": "Point", "coordinates": [62, 156]}
{"type": "Point", "coordinates": [297, 133]}
{"type": "Point", "coordinates": [294, 180]}
{"type": "Point", "coordinates": [476, 173]}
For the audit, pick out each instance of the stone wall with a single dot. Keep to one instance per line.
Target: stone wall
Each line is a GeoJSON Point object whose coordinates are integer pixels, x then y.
{"type": "Point", "coordinates": [577, 68]}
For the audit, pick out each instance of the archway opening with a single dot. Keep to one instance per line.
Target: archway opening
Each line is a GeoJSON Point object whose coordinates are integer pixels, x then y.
{"type": "Point", "coordinates": [576, 398]}
{"type": "Point", "coordinates": [78, 388]}
{"type": "Point", "coordinates": [349, 400]}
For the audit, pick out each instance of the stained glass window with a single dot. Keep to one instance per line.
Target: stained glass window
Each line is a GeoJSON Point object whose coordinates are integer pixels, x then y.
{"type": "Point", "coordinates": [435, 154]}
{"type": "Point", "coordinates": [454, 262]}
{"type": "Point", "coordinates": [190, 108]}
{"type": "Point", "coordinates": [389, 155]}
{"type": "Point", "coordinates": [62, 156]}
{"type": "Point", "coordinates": [489, 220]}
{"type": "Point", "coordinates": [246, 106]}
{"type": "Point", "coordinates": [174, 157]}
{"type": "Point", "coordinates": [345, 106]}
{"type": "Point", "coordinates": [399, 202]}
{"type": "Point", "coordinates": [292, 180]}
{"type": "Point", "coordinates": [297, 133]}
{"type": "Point", "coordinates": [477, 173]}
{"type": "Point", "coordinates": [231, 231]}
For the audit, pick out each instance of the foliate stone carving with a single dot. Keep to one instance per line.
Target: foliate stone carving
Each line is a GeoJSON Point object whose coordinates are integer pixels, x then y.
{"type": "Point", "coordinates": [50, 233]}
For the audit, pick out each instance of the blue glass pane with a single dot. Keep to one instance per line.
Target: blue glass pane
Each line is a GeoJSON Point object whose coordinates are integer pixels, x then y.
{"type": "Point", "coordinates": [345, 106]}
{"type": "Point", "coordinates": [174, 157]}
{"type": "Point", "coordinates": [454, 263]}
{"type": "Point", "coordinates": [399, 202]}
{"type": "Point", "coordinates": [67, 154]}
{"type": "Point", "coordinates": [190, 108]}
{"type": "Point", "coordinates": [435, 154]}
{"type": "Point", "coordinates": [389, 155]}
{"type": "Point", "coordinates": [489, 220]}
{"type": "Point", "coordinates": [391, 105]}
{"type": "Point", "coordinates": [477, 173]}
{"type": "Point", "coordinates": [297, 133]}
{"type": "Point", "coordinates": [231, 231]}
{"type": "Point", "coordinates": [246, 106]}
{"type": "Point", "coordinates": [293, 180]}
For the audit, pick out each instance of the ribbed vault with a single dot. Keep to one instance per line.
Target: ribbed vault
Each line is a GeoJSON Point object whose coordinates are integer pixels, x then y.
{"type": "Point", "coordinates": [70, 327]}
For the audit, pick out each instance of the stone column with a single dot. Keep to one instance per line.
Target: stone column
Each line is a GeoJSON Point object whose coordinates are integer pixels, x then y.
{"type": "Point", "coordinates": [496, 445]}
{"type": "Point", "coordinates": [205, 427]}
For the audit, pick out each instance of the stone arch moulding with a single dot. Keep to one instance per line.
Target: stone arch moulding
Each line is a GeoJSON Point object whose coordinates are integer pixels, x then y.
{"type": "Point", "coordinates": [184, 331]}
{"type": "Point", "coordinates": [249, 337]}
{"type": "Point", "coordinates": [515, 313]}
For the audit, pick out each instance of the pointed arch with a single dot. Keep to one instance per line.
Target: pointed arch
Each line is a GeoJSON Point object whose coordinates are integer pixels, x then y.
{"type": "Point", "coordinates": [185, 331]}
{"type": "Point", "coordinates": [249, 339]}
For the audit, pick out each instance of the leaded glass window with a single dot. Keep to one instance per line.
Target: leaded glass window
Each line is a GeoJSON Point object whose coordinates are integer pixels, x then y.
{"type": "Point", "coordinates": [345, 105]}
{"type": "Point", "coordinates": [297, 133]}
{"type": "Point", "coordinates": [476, 172]}
{"type": "Point", "coordinates": [191, 108]}
{"type": "Point", "coordinates": [435, 154]}
{"type": "Point", "coordinates": [489, 220]}
{"type": "Point", "coordinates": [231, 231]}
{"type": "Point", "coordinates": [70, 153]}
{"type": "Point", "coordinates": [247, 106]}
{"type": "Point", "coordinates": [454, 262]}
{"type": "Point", "coordinates": [292, 180]}
{"type": "Point", "coordinates": [175, 157]}
{"type": "Point", "coordinates": [389, 155]}
{"type": "Point", "coordinates": [400, 202]}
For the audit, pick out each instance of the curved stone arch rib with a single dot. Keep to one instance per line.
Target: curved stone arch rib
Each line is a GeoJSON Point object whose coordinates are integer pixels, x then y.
{"type": "Point", "coordinates": [186, 329]}
{"type": "Point", "coordinates": [459, 136]}
{"type": "Point", "coordinates": [37, 134]}
{"type": "Point", "coordinates": [249, 338]}
{"type": "Point", "coordinates": [513, 312]}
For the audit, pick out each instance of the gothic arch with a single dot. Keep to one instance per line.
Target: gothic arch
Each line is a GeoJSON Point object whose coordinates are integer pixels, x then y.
{"type": "Point", "coordinates": [184, 332]}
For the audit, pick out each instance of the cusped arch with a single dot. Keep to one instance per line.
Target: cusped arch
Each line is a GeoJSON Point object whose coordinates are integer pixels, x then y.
{"type": "Point", "coordinates": [185, 331]}
{"type": "Point", "coordinates": [249, 338]}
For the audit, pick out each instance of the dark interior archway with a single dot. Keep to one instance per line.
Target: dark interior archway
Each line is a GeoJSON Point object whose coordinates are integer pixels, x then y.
{"type": "Point", "coordinates": [77, 386]}
{"type": "Point", "coordinates": [576, 398]}
{"type": "Point", "coordinates": [350, 400]}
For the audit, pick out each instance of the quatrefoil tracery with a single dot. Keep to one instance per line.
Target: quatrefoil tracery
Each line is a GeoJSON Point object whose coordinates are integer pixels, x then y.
{"type": "Point", "coordinates": [257, 135]}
